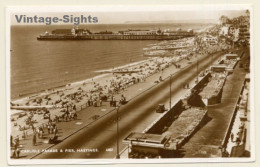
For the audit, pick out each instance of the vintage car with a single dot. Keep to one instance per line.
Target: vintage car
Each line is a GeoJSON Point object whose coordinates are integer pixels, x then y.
{"type": "Point", "coordinates": [160, 108]}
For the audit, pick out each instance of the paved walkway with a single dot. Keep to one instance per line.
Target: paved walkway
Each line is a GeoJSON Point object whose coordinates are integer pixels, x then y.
{"type": "Point", "coordinates": [207, 141]}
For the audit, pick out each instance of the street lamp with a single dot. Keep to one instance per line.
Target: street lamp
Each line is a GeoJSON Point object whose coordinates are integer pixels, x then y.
{"type": "Point", "coordinates": [172, 117]}
{"type": "Point", "coordinates": [117, 133]}
{"type": "Point", "coordinates": [196, 52]}
{"type": "Point", "coordinates": [197, 69]}
{"type": "Point", "coordinates": [212, 59]}
{"type": "Point", "coordinates": [170, 91]}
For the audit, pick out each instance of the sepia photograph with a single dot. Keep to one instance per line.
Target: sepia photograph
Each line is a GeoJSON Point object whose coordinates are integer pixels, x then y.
{"type": "Point", "coordinates": [129, 84]}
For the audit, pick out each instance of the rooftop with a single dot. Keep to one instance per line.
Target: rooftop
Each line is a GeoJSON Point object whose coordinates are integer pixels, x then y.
{"type": "Point", "coordinates": [144, 137]}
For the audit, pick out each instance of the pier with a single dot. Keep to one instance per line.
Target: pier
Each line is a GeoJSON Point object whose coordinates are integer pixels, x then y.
{"type": "Point", "coordinates": [112, 37]}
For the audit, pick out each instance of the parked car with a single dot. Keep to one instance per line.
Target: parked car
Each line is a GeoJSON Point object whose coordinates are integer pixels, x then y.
{"type": "Point", "coordinates": [160, 108]}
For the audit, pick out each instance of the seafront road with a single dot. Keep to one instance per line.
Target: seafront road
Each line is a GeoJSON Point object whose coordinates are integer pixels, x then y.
{"type": "Point", "coordinates": [135, 116]}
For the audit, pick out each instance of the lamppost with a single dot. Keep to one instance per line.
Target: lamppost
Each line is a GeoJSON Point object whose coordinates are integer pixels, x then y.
{"type": "Point", "coordinates": [170, 91]}
{"type": "Point", "coordinates": [211, 59]}
{"type": "Point", "coordinates": [117, 133]}
{"type": "Point", "coordinates": [197, 69]}
{"type": "Point", "coordinates": [171, 97]}
{"type": "Point", "coordinates": [196, 52]}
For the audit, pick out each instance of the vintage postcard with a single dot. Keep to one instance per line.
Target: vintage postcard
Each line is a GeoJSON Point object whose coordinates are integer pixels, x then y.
{"type": "Point", "coordinates": [129, 84]}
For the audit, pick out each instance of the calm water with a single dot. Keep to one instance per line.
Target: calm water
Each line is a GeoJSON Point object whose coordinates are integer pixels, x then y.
{"type": "Point", "coordinates": [40, 65]}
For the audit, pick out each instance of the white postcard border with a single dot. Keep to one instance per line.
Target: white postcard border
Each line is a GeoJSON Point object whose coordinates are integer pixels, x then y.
{"type": "Point", "coordinates": [123, 8]}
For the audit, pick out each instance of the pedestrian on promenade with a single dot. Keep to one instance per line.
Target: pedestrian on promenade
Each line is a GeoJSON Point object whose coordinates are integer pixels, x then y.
{"type": "Point", "coordinates": [238, 140]}
{"type": "Point", "coordinates": [51, 129]}
{"type": "Point", "coordinates": [32, 127]}
{"type": "Point", "coordinates": [16, 152]}
{"type": "Point", "coordinates": [41, 132]}
{"type": "Point", "coordinates": [100, 101]}
{"type": "Point", "coordinates": [95, 103]}
{"type": "Point", "coordinates": [114, 98]}
{"type": "Point", "coordinates": [34, 139]}
{"type": "Point", "coordinates": [160, 78]}
{"type": "Point", "coordinates": [11, 141]}
{"type": "Point", "coordinates": [123, 99]}
{"type": "Point", "coordinates": [55, 130]}
{"type": "Point", "coordinates": [17, 141]}
{"type": "Point", "coordinates": [232, 137]}
{"type": "Point", "coordinates": [48, 127]}
{"type": "Point", "coordinates": [38, 131]}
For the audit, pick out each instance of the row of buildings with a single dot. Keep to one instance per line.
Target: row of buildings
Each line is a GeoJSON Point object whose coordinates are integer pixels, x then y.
{"type": "Point", "coordinates": [235, 31]}
{"type": "Point", "coordinates": [178, 31]}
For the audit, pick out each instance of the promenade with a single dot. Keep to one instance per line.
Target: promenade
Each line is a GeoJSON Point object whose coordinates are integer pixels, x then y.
{"type": "Point", "coordinates": [89, 115]}
{"type": "Point", "coordinates": [136, 116]}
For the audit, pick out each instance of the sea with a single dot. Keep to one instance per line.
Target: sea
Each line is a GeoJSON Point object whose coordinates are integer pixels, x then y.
{"type": "Point", "coordinates": [40, 65]}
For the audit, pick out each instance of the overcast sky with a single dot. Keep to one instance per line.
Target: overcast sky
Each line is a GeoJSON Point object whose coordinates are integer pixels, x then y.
{"type": "Point", "coordinates": [140, 16]}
